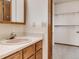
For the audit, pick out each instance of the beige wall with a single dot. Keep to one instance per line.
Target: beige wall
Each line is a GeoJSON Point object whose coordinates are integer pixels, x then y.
{"type": "Point", "coordinates": [37, 20]}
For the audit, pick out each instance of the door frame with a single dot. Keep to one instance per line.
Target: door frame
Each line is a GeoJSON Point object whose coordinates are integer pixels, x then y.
{"type": "Point", "coordinates": [50, 14]}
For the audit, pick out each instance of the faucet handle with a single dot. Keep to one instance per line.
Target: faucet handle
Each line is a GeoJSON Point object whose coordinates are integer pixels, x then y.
{"type": "Point", "coordinates": [12, 35]}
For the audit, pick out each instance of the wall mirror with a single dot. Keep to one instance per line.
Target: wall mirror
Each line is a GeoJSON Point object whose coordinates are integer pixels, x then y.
{"type": "Point", "coordinates": [12, 11]}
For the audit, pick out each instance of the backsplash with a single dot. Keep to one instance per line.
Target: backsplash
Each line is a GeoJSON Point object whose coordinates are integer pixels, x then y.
{"type": "Point", "coordinates": [6, 29]}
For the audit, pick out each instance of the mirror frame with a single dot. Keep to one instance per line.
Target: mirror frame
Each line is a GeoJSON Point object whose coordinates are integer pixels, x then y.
{"type": "Point", "coordinates": [9, 22]}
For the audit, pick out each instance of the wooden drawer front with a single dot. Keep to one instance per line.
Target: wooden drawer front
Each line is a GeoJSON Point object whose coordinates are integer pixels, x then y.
{"type": "Point", "coordinates": [38, 45]}
{"type": "Point", "coordinates": [27, 52]}
{"type": "Point", "coordinates": [32, 57]}
{"type": "Point", "coordinates": [39, 54]}
{"type": "Point", "coordinates": [17, 55]}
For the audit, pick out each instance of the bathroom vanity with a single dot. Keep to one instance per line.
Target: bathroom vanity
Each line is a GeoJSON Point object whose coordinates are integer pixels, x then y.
{"type": "Point", "coordinates": [30, 50]}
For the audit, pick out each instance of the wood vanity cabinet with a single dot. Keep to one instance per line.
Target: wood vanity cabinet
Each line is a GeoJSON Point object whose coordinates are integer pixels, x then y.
{"type": "Point", "coordinates": [29, 51]}
{"type": "Point", "coordinates": [32, 57]}
{"type": "Point", "coordinates": [39, 54]}
{"type": "Point", "coordinates": [32, 52]}
{"type": "Point", "coordinates": [17, 55]}
{"type": "Point", "coordinates": [39, 50]}
{"type": "Point", "coordinates": [38, 45]}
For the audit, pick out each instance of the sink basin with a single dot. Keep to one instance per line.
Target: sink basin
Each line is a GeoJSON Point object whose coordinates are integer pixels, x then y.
{"type": "Point", "coordinates": [14, 41]}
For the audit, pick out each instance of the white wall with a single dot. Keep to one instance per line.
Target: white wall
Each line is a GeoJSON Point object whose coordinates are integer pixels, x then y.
{"type": "Point", "coordinates": [37, 19]}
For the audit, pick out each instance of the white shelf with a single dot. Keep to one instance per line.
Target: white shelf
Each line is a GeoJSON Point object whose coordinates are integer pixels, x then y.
{"type": "Point", "coordinates": [66, 44]}
{"type": "Point", "coordinates": [67, 8]}
{"type": "Point", "coordinates": [69, 13]}
{"type": "Point", "coordinates": [64, 25]}
{"type": "Point", "coordinates": [61, 2]}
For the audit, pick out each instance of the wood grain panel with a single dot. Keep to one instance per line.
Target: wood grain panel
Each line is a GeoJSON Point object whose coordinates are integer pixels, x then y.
{"type": "Point", "coordinates": [32, 57]}
{"type": "Point", "coordinates": [38, 45]}
{"type": "Point", "coordinates": [29, 51]}
{"type": "Point", "coordinates": [17, 55]}
{"type": "Point", "coordinates": [39, 54]}
{"type": "Point", "coordinates": [50, 29]}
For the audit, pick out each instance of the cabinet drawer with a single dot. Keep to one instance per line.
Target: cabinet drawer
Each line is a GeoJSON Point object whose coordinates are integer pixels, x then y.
{"type": "Point", "coordinates": [29, 51]}
{"type": "Point", "coordinates": [17, 55]}
{"type": "Point", "coordinates": [38, 45]}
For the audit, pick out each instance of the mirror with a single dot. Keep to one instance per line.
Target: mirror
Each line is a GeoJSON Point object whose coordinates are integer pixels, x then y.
{"type": "Point", "coordinates": [12, 11]}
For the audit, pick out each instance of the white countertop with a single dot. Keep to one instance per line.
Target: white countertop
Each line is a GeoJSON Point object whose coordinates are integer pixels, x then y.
{"type": "Point", "coordinates": [6, 50]}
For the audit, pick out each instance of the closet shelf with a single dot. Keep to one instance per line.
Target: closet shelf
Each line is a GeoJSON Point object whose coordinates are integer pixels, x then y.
{"type": "Point", "coordinates": [56, 3]}
{"type": "Point", "coordinates": [69, 13]}
{"type": "Point", "coordinates": [64, 25]}
{"type": "Point", "coordinates": [66, 44]}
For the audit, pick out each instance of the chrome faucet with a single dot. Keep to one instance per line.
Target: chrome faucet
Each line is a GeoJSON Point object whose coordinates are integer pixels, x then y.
{"type": "Point", "coordinates": [12, 35]}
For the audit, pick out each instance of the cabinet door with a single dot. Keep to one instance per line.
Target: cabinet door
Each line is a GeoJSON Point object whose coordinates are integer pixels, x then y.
{"type": "Point", "coordinates": [32, 57]}
{"type": "Point", "coordinates": [29, 51]}
{"type": "Point", "coordinates": [17, 55]}
{"type": "Point", "coordinates": [38, 45]}
{"type": "Point", "coordinates": [39, 54]}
